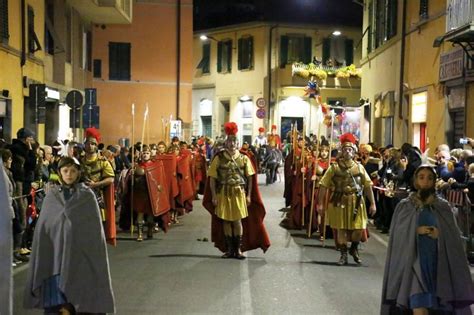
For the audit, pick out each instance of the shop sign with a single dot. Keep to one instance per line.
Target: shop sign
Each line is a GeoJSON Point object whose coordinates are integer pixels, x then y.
{"type": "Point", "coordinates": [419, 103]}
{"type": "Point", "coordinates": [451, 65]}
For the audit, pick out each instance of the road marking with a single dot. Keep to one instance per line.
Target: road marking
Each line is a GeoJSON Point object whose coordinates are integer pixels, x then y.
{"type": "Point", "coordinates": [245, 298]}
{"type": "Point", "coordinates": [378, 238]}
{"type": "Point", "coordinates": [19, 269]}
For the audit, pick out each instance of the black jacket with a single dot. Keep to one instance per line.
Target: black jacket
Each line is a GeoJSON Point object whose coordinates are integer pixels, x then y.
{"type": "Point", "coordinates": [24, 162]}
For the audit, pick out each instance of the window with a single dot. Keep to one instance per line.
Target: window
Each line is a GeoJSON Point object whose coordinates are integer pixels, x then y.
{"type": "Point", "coordinates": [338, 51]}
{"type": "Point", "coordinates": [88, 51]}
{"type": "Point", "coordinates": [68, 35]}
{"type": "Point", "coordinates": [295, 48]}
{"type": "Point", "coordinates": [383, 22]}
{"type": "Point", "coordinates": [224, 56]}
{"type": "Point", "coordinates": [49, 23]}
{"type": "Point", "coordinates": [247, 108]}
{"type": "Point", "coordinates": [119, 61]}
{"type": "Point", "coordinates": [423, 9]}
{"type": "Point", "coordinates": [206, 126]}
{"type": "Point", "coordinates": [245, 57]}
{"type": "Point", "coordinates": [97, 68]}
{"type": "Point", "coordinates": [33, 42]}
{"type": "Point", "coordinates": [206, 57]}
{"type": "Point", "coordinates": [4, 35]}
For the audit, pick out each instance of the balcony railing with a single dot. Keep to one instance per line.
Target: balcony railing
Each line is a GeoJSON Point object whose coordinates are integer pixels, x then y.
{"type": "Point", "coordinates": [460, 13]}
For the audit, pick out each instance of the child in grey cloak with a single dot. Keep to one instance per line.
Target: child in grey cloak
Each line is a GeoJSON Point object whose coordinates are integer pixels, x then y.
{"type": "Point", "coordinates": [69, 267]}
{"type": "Point", "coordinates": [426, 268]}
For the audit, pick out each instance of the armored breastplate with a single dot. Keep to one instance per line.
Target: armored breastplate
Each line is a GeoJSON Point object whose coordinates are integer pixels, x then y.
{"type": "Point", "coordinates": [347, 180]}
{"type": "Point", "coordinates": [230, 172]}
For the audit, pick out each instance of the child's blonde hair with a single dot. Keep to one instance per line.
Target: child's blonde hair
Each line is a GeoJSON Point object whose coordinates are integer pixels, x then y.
{"type": "Point", "coordinates": [471, 169]}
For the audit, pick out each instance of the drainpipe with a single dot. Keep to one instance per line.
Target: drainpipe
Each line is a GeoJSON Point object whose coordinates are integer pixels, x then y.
{"type": "Point", "coordinates": [402, 59]}
{"type": "Point", "coordinates": [23, 35]}
{"type": "Point", "coordinates": [178, 56]}
{"type": "Point", "coordinates": [269, 69]}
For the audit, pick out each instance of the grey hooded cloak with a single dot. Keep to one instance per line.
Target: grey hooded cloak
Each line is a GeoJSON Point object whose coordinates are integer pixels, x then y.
{"type": "Point", "coordinates": [69, 241]}
{"type": "Point", "coordinates": [6, 250]}
{"type": "Point", "coordinates": [403, 275]}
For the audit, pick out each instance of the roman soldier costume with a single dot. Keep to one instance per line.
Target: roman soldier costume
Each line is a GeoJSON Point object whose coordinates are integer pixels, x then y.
{"type": "Point", "coordinates": [260, 140]}
{"type": "Point", "coordinates": [237, 225]}
{"type": "Point", "coordinates": [346, 181]}
{"type": "Point", "coordinates": [273, 138]}
{"type": "Point", "coordinates": [150, 194]}
{"type": "Point", "coordinates": [98, 174]}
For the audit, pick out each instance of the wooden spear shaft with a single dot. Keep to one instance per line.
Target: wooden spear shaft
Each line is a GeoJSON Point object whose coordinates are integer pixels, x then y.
{"type": "Point", "coordinates": [133, 170]}
{"type": "Point", "coordinates": [315, 171]}
{"type": "Point", "coordinates": [303, 199]}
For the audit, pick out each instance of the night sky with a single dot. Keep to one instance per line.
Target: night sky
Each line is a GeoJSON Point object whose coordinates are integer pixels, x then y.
{"type": "Point", "coordinates": [215, 13]}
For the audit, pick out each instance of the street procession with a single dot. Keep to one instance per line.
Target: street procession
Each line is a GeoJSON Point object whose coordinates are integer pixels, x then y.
{"type": "Point", "coordinates": [241, 157]}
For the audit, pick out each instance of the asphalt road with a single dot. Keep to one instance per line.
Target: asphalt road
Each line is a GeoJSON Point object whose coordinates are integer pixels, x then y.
{"type": "Point", "coordinates": [176, 274]}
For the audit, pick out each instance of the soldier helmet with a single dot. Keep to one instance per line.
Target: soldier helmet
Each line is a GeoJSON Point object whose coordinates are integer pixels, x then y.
{"type": "Point", "coordinates": [348, 140]}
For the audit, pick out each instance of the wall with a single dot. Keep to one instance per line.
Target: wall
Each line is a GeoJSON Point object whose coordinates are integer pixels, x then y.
{"type": "Point", "coordinates": [153, 70]}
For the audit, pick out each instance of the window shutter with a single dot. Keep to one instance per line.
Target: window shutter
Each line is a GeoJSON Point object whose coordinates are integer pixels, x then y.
{"type": "Point", "coordinates": [283, 51]}
{"type": "Point", "coordinates": [307, 57]}
{"type": "Point", "coordinates": [4, 33]}
{"type": "Point", "coordinates": [250, 53]}
{"type": "Point", "coordinates": [423, 9]}
{"type": "Point", "coordinates": [206, 56]}
{"type": "Point", "coordinates": [349, 48]}
{"type": "Point", "coordinates": [219, 57]}
{"type": "Point", "coordinates": [112, 61]}
{"type": "Point", "coordinates": [392, 23]}
{"type": "Point", "coordinates": [326, 50]}
{"type": "Point", "coordinates": [126, 62]}
{"type": "Point", "coordinates": [240, 53]}
{"type": "Point", "coordinates": [229, 56]}
{"type": "Point", "coordinates": [97, 68]}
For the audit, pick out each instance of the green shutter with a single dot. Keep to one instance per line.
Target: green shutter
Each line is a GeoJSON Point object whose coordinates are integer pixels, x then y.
{"type": "Point", "coordinates": [326, 50]}
{"type": "Point", "coordinates": [240, 54]}
{"type": "Point", "coordinates": [283, 51]}
{"type": "Point", "coordinates": [4, 34]}
{"type": "Point", "coordinates": [308, 52]}
{"type": "Point", "coordinates": [229, 56]}
{"type": "Point", "coordinates": [349, 48]}
{"type": "Point", "coordinates": [250, 53]}
{"type": "Point", "coordinates": [219, 57]}
{"type": "Point", "coordinates": [206, 57]}
{"type": "Point", "coordinates": [392, 23]}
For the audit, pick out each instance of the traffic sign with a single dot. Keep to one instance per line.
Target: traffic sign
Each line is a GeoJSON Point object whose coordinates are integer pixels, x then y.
{"type": "Point", "coordinates": [74, 99]}
{"type": "Point", "coordinates": [261, 113]}
{"type": "Point", "coordinates": [261, 103]}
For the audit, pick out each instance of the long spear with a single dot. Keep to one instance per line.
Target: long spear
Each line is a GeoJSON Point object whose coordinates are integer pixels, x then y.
{"type": "Point", "coordinates": [303, 157]}
{"type": "Point", "coordinates": [315, 169]}
{"type": "Point", "coordinates": [144, 124]}
{"type": "Point", "coordinates": [133, 169]}
{"type": "Point", "coordinates": [147, 129]}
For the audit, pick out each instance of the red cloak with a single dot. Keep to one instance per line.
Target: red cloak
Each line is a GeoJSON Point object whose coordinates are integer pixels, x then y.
{"type": "Point", "coordinates": [185, 181]}
{"type": "Point", "coordinates": [170, 166]}
{"type": "Point", "coordinates": [110, 228]}
{"type": "Point", "coordinates": [254, 233]}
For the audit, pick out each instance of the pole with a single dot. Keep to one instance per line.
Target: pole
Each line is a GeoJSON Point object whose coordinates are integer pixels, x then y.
{"type": "Point", "coordinates": [315, 170]}
{"type": "Point", "coordinates": [303, 199]}
{"type": "Point", "coordinates": [145, 115]}
{"type": "Point", "coordinates": [147, 129]}
{"type": "Point", "coordinates": [133, 169]}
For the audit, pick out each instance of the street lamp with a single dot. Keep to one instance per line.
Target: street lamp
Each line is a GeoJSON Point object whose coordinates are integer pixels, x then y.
{"type": "Point", "coordinates": [206, 37]}
{"type": "Point", "coordinates": [336, 33]}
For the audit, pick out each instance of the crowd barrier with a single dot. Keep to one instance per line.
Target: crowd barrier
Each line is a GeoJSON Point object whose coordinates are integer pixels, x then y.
{"type": "Point", "coordinates": [463, 211]}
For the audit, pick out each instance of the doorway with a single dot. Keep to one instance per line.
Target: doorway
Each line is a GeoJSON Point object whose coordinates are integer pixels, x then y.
{"type": "Point", "coordinates": [287, 122]}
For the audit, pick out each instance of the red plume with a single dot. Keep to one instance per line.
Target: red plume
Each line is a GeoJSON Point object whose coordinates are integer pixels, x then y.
{"type": "Point", "coordinates": [92, 133]}
{"type": "Point", "coordinates": [348, 137]}
{"type": "Point", "coordinates": [274, 127]}
{"type": "Point", "coordinates": [261, 129]}
{"type": "Point", "coordinates": [231, 128]}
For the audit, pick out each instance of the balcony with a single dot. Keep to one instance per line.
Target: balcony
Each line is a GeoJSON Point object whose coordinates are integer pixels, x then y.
{"type": "Point", "coordinates": [104, 11]}
{"type": "Point", "coordinates": [287, 77]}
{"type": "Point", "coordinates": [460, 21]}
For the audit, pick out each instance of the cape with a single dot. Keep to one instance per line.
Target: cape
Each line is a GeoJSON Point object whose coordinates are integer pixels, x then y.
{"type": "Point", "coordinates": [254, 232]}
{"type": "Point", "coordinates": [170, 165]}
{"type": "Point", "coordinates": [6, 279]}
{"type": "Point", "coordinates": [402, 269]}
{"type": "Point", "coordinates": [110, 226]}
{"type": "Point", "coordinates": [70, 242]}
